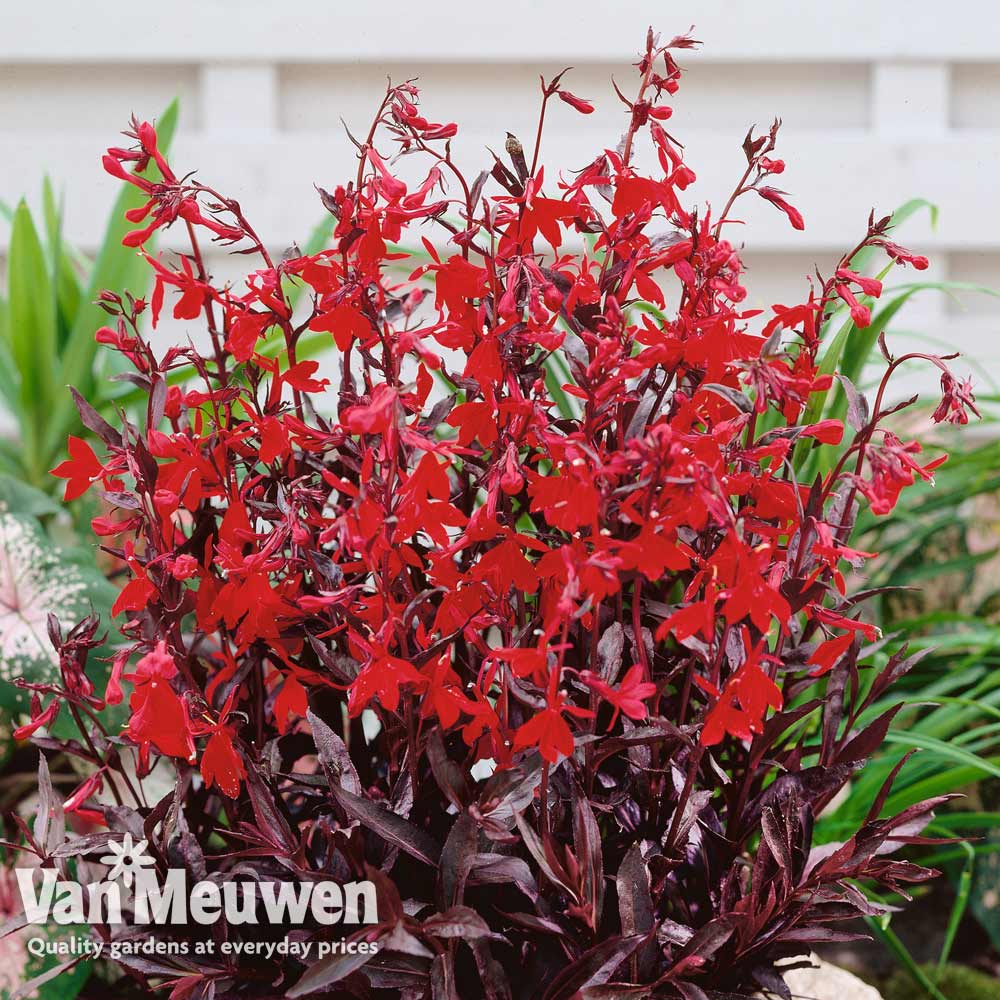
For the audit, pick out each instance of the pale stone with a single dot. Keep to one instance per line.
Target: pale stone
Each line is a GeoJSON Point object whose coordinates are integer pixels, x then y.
{"type": "Point", "coordinates": [827, 982]}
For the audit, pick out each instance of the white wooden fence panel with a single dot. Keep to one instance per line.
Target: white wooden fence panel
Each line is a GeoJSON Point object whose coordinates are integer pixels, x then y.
{"type": "Point", "coordinates": [880, 103]}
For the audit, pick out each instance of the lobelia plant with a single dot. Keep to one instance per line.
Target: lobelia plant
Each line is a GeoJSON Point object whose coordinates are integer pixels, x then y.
{"type": "Point", "coordinates": [563, 659]}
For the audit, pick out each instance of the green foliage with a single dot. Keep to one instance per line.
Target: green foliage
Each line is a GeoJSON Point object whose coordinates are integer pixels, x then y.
{"type": "Point", "coordinates": [31, 333]}
{"type": "Point", "coordinates": [47, 323]}
{"type": "Point", "coordinates": [17, 497]}
{"type": "Point", "coordinates": [933, 591]}
{"type": "Point", "coordinates": [48, 319]}
{"type": "Point", "coordinates": [951, 698]}
{"type": "Point", "coordinates": [62, 983]}
{"type": "Point", "coordinates": [985, 896]}
{"type": "Point", "coordinates": [957, 982]}
{"type": "Point", "coordinates": [850, 350]}
{"type": "Point", "coordinates": [39, 578]}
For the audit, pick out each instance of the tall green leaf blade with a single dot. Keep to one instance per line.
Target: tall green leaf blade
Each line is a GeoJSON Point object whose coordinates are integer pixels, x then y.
{"type": "Point", "coordinates": [946, 750]}
{"type": "Point", "coordinates": [892, 942]}
{"type": "Point", "coordinates": [67, 290]}
{"type": "Point", "coordinates": [116, 267]}
{"type": "Point", "coordinates": [8, 373]}
{"type": "Point", "coordinates": [32, 334]}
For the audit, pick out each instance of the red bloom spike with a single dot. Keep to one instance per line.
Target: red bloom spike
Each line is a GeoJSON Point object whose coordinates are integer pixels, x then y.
{"type": "Point", "coordinates": [541, 513]}
{"type": "Point", "coordinates": [81, 470]}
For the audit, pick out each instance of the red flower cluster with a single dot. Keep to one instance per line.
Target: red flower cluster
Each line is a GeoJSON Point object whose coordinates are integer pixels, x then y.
{"type": "Point", "coordinates": [539, 509]}
{"type": "Point", "coordinates": [408, 531]}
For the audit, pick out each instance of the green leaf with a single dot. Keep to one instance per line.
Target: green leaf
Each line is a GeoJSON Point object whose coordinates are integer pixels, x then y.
{"type": "Point", "coordinates": [958, 909]}
{"type": "Point", "coordinates": [946, 750]}
{"type": "Point", "coordinates": [32, 332]}
{"type": "Point", "coordinates": [557, 375]}
{"type": "Point", "coordinates": [892, 942]}
{"type": "Point", "coordinates": [983, 900]}
{"type": "Point", "coordinates": [62, 985]}
{"type": "Point", "coordinates": [117, 267]}
{"type": "Point", "coordinates": [945, 783]}
{"type": "Point", "coordinates": [17, 497]}
{"type": "Point", "coordinates": [10, 459]}
{"type": "Point", "coordinates": [9, 381]}
{"type": "Point", "coordinates": [67, 282]}
{"type": "Point", "coordinates": [861, 348]}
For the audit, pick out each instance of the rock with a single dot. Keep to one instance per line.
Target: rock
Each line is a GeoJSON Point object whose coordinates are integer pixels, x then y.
{"type": "Point", "coordinates": [827, 982]}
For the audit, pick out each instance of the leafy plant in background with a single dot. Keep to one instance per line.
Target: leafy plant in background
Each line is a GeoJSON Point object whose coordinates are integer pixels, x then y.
{"type": "Point", "coordinates": [957, 983]}
{"type": "Point", "coordinates": [47, 321]}
{"type": "Point", "coordinates": [950, 700]}
{"type": "Point", "coordinates": [48, 318]}
{"type": "Point", "coordinates": [47, 324]}
{"type": "Point", "coordinates": [930, 595]}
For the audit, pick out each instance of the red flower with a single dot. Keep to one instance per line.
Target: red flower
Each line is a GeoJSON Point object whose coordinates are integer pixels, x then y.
{"type": "Point", "coordinates": [825, 432]}
{"type": "Point", "coordinates": [749, 591]}
{"type": "Point", "coordinates": [475, 421]}
{"type": "Point", "coordinates": [39, 717]}
{"type": "Point", "coordinates": [136, 593]}
{"type": "Point", "coordinates": [630, 695]}
{"type": "Point", "coordinates": [84, 791]}
{"type": "Point", "coordinates": [377, 416]}
{"type": "Point", "coordinates": [776, 197]}
{"type": "Point", "coordinates": [567, 501]}
{"type": "Point", "coordinates": [245, 332]}
{"type": "Point", "coordinates": [542, 215]}
{"type": "Point", "coordinates": [81, 470]}
{"type": "Point", "coordinates": [861, 314]}
{"type": "Point", "coordinates": [743, 702]}
{"type": "Point", "coordinates": [221, 765]}
{"type": "Point", "coordinates": [825, 658]}
{"type": "Point", "coordinates": [345, 323]}
{"type": "Point", "coordinates": [549, 731]}
{"type": "Point", "coordinates": [892, 469]}
{"type": "Point", "coordinates": [584, 107]}
{"type": "Point", "coordinates": [382, 678]}
{"type": "Point", "coordinates": [956, 399]}
{"type": "Point", "coordinates": [159, 716]}
{"type": "Point", "coordinates": [444, 697]}
{"type": "Point", "coordinates": [291, 702]}
{"type": "Point", "coordinates": [600, 505]}
{"type": "Point", "coordinates": [870, 286]}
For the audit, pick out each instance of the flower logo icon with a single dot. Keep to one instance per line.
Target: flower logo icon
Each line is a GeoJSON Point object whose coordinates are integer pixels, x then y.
{"type": "Point", "coordinates": [126, 859]}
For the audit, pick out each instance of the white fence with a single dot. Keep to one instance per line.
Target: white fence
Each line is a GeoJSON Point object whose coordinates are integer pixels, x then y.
{"type": "Point", "coordinates": [880, 103]}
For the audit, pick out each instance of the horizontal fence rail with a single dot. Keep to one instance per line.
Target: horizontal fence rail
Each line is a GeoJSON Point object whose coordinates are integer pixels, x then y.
{"type": "Point", "coordinates": [879, 104]}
